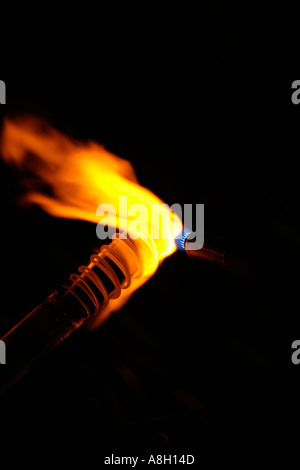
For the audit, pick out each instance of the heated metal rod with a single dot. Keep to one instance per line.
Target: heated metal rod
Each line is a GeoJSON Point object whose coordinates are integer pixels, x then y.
{"type": "Point", "coordinates": [209, 254]}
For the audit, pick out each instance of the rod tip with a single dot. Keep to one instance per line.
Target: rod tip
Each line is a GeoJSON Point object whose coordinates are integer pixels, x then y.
{"type": "Point", "coordinates": [180, 241]}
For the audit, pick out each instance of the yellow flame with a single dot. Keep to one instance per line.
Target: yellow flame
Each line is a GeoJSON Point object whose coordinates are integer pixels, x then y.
{"type": "Point", "coordinates": [81, 176]}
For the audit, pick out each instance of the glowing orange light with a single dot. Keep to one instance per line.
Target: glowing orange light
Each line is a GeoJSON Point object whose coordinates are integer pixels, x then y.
{"type": "Point", "coordinates": [80, 177]}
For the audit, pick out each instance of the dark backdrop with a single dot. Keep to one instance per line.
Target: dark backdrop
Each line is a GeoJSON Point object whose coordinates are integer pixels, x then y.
{"type": "Point", "coordinates": [201, 105]}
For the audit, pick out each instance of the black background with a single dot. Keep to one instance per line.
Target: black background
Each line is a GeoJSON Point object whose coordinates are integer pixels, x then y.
{"type": "Point", "coordinates": [201, 105]}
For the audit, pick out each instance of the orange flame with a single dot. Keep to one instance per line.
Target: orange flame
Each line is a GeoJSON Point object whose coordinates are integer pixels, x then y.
{"type": "Point", "coordinates": [81, 176]}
